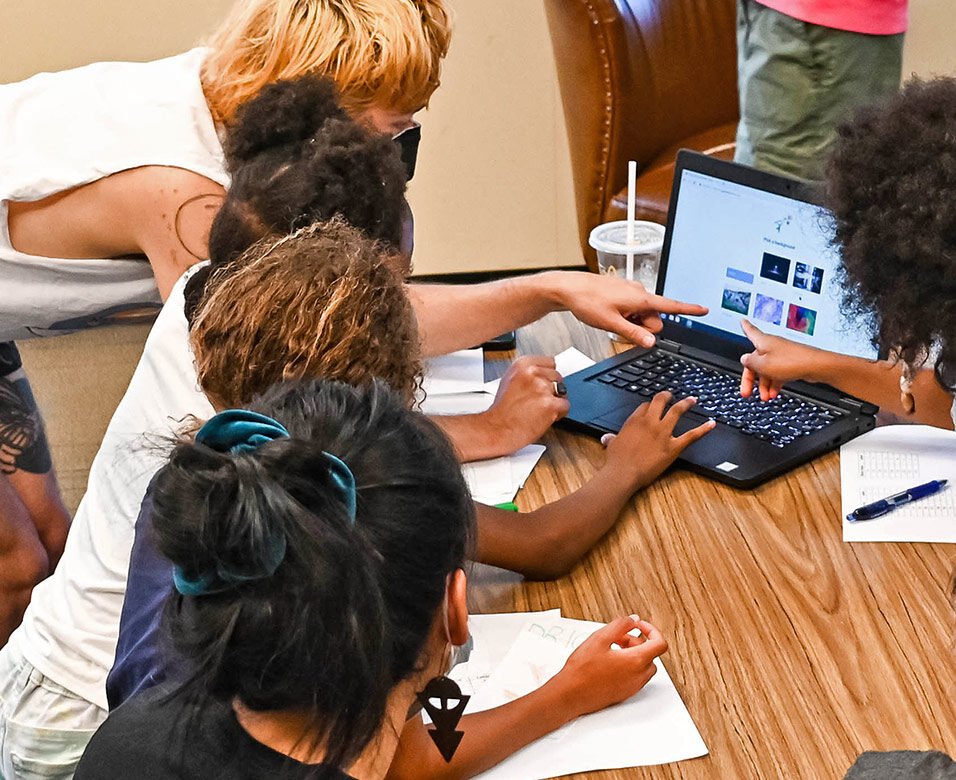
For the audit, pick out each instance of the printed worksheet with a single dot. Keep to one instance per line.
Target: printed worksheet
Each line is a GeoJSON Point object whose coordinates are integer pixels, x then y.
{"type": "Point", "coordinates": [888, 460]}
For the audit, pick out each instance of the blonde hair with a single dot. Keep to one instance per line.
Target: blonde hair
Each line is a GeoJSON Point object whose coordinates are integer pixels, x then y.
{"type": "Point", "coordinates": [320, 302]}
{"type": "Point", "coordinates": [378, 52]}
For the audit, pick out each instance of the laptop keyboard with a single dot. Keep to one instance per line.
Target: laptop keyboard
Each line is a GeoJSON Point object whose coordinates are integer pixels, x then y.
{"type": "Point", "coordinates": [780, 421]}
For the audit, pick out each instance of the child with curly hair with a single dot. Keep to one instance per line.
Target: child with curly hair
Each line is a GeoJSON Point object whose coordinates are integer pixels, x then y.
{"type": "Point", "coordinates": [892, 190]}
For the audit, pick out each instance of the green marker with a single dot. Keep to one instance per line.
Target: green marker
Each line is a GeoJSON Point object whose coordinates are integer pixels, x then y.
{"type": "Point", "coordinates": [509, 506]}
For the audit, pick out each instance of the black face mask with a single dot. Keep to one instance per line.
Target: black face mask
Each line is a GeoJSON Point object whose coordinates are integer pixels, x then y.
{"type": "Point", "coordinates": [408, 141]}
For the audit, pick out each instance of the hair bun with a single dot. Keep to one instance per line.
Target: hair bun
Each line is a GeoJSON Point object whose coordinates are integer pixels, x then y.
{"type": "Point", "coordinates": [284, 113]}
{"type": "Point", "coordinates": [219, 517]}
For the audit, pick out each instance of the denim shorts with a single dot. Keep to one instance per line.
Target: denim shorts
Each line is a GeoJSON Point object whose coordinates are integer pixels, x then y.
{"type": "Point", "coordinates": [44, 728]}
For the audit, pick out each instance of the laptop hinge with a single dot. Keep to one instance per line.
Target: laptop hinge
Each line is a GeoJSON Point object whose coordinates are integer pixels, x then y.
{"type": "Point", "coordinates": [670, 346]}
{"type": "Point", "coordinates": [858, 406]}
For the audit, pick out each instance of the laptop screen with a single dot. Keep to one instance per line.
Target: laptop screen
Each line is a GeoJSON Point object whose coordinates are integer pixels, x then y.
{"type": "Point", "coordinates": [746, 252]}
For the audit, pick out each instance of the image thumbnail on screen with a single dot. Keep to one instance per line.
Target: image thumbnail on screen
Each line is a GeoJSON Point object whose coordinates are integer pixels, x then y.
{"type": "Point", "coordinates": [775, 268]}
{"type": "Point", "coordinates": [808, 278]}
{"type": "Point", "coordinates": [768, 309]}
{"type": "Point", "coordinates": [801, 319]}
{"type": "Point", "coordinates": [736, 300]}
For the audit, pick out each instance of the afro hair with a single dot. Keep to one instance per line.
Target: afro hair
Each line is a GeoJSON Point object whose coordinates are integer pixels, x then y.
{"type": "Point", "coordinates": [297, 158]}
{"type": "Point", "coordinates": [891, 185]}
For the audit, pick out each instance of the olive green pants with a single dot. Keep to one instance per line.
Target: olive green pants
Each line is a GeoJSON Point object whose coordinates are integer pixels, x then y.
{"type": "Point", "coordinates": [798, 81]}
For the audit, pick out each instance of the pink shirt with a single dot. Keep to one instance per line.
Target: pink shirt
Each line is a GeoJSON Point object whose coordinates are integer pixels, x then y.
{"type": "Point", "coordinates": [875, 17]}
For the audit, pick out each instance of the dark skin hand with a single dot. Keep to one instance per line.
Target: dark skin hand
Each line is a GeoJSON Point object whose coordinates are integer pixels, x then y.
{"type": "Point", "coordinates": [548, 542]}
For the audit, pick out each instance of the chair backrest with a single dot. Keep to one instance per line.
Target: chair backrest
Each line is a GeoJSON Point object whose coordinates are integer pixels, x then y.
{"type": "Point", "coordinates": [636, 77]}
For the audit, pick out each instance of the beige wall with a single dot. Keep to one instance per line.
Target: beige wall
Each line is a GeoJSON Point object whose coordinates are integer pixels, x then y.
{"type": "Point", "coordinates": [493, 188]}
{"type": "Point", "coordinates": [931, 40]}
{"type": "Point", "coordinates": [37, 35]}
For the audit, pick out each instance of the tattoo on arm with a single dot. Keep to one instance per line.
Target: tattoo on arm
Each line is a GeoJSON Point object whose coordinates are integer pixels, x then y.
{"type": "Point", "coordinates": [199, 210]}
{"type": "Point", "coordinates": [23, 443]}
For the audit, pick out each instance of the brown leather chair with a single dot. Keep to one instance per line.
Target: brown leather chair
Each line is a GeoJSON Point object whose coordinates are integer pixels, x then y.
{"type": "Point", "coordinates": [639, 80]}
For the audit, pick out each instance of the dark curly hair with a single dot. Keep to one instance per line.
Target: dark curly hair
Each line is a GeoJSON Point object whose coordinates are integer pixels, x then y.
{"type": "Point", "coordinates": [892, 188]}
{"type": "Point", "coordinates": [296, 158]}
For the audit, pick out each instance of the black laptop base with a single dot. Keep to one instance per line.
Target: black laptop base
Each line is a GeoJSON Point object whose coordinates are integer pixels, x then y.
{"type": "Point", "coordinates": [804, 426]}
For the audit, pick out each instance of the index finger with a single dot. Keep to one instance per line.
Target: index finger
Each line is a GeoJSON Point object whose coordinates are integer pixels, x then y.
{"type": "Point", "coordinates": [677, 410]}
{"type": "Point", "coordinates": [747, 382]}
{"type": "Point", "coordinates": [670, 306]}
{"type": "Point", "coordinates": [649, 650]}
{"type": "Point", "coordinates": [751, 331]}
{"type": "Point", "coordinates": [649, 630]}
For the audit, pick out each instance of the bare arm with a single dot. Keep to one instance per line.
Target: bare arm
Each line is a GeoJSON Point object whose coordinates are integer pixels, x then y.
{"type": "Point", "coordinates": [775, 361]}
{"type": "Point", "coordinates": [548, 542]}
{"type": "Point", "coordinates": [26, 463]}
{"type": "Point", "coordinates": [595, 676]}
{"type": "Point", "coordinates": [159, 211]}
{"type": "Point", "coordinates": [454, 317]}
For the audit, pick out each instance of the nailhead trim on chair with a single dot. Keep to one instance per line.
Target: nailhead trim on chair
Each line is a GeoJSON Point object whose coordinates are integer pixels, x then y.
{"type": "Point", "coordinates": [600, 185]}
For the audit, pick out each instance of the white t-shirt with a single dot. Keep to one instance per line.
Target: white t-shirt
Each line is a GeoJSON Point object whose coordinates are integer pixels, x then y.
{"type": "Point", "coordinates": [70, 629]}
{"type": "Point", "coordinates": [62, 130]}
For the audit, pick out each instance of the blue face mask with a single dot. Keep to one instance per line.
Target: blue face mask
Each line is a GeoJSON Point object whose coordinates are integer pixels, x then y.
{"type": "Point", "coordinates": [408, 141]}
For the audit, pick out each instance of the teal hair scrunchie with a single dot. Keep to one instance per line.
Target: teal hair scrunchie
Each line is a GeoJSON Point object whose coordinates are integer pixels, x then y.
{"type": "Point", "coordinates": [344, 480]}
{"type": "Point", "coordinates": [239, 431]}
{"type": "Point", "coordinates": [236, 431]}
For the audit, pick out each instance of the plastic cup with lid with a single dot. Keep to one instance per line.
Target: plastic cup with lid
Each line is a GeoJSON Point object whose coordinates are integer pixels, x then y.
{"type": "Point", "coordinates": [610, 242]}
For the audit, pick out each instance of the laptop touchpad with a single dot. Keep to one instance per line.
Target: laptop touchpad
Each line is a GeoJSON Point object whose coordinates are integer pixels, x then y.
{"type": "Point", "coordinates": [615, 419]}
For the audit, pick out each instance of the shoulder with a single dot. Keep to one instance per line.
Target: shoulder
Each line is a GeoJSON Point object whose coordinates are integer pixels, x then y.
{"type": "Point", "coordinates": [166, 185]}
{"type": "Point", "coordinates": [133, 741]}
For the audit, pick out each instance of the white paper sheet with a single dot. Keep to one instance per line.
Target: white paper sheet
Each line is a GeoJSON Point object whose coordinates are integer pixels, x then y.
{"type": "Point", "coordinates": [652, 727]}
{"type": "Point", "coordinates": [458, 372]}
{"type": "Point", "coordinates": [571, 361]}
{"type": "Point", "coordinates": [493, 637]}
{"type": "Point", "coordinates": [457, 403]}
{"type": "Point", "coordinates": [496, 481]}
{"type": "Point", "coordinates": [892, 458]}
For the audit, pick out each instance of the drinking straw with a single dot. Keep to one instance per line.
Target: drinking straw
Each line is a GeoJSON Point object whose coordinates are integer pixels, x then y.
{"type": "Point", "coordinates": [631, 181]}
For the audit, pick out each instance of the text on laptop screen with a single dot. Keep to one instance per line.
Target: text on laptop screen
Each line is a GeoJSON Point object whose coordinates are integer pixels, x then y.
{"type": "Point", "coordinates": [744, 252]}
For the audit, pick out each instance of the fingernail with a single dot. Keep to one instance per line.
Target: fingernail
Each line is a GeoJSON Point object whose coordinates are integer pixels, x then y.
{"type": "Point", "coordinates": [606, 438]}
{"type": "Point", "coordinates": [635, 618]}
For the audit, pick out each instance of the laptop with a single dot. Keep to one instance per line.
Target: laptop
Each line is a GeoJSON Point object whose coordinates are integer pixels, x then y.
{"type": "Point", "coordinates": [744, 243]}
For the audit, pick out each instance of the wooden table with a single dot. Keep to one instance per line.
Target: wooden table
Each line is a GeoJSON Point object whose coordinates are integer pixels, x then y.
{"type": "Point", "coordinates": [792, 650]}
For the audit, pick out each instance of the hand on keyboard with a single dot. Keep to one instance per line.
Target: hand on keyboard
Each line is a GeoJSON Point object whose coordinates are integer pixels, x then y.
{"type": "Point", "coordinates": [773, 362]}
{"type": "Point", "coordinates": [646, 444]}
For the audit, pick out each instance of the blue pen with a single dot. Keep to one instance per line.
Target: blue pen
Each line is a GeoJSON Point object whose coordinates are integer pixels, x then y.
{"type": "Point", "coordinates": [885, 505]}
